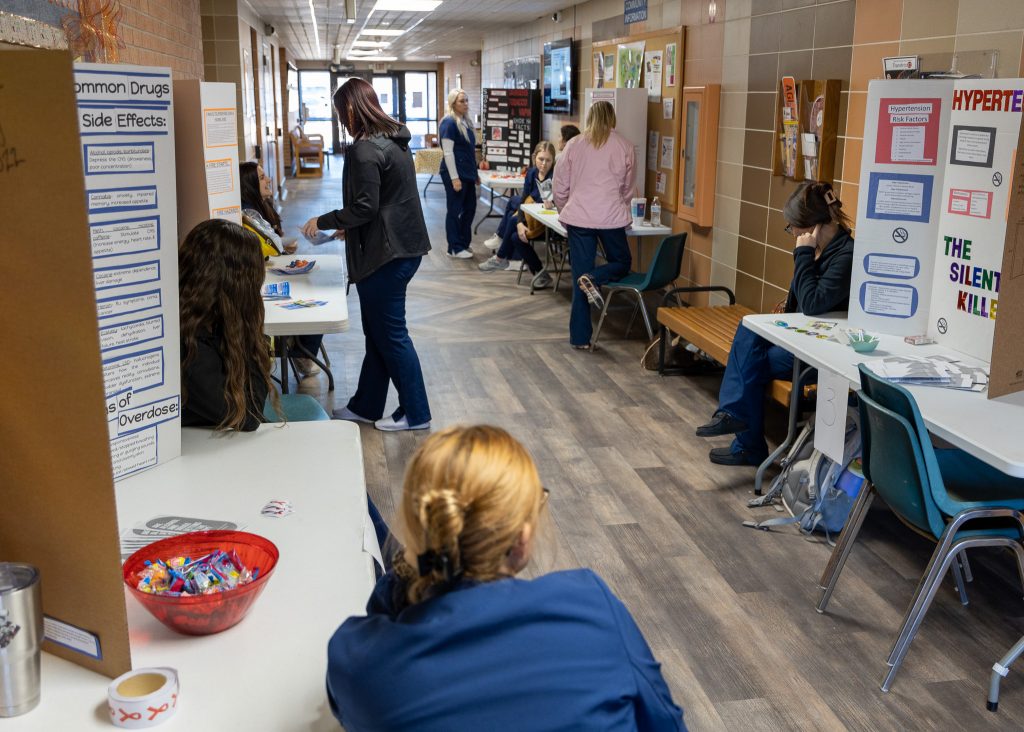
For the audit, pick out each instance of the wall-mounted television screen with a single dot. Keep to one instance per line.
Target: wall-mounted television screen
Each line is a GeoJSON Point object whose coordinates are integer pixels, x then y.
{"type": "Point", "coordinates": [558, 91]}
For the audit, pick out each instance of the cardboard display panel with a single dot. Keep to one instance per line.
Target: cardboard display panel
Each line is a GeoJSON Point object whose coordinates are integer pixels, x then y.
{"type": "Point", "coordinates": [662, 75]}
{"type": "Point", "coordinates": [511, 127]}
{"type": "Point", "coordinates": [897, 222]}
{"type": "Point", "coordinates": [981, 147]}
{"type": "Point", "coordinates": [126, 124]}
{"type": "Point", "coordinates": [206, 151]}
{"type": "Point", "coordinates": [59, 511]}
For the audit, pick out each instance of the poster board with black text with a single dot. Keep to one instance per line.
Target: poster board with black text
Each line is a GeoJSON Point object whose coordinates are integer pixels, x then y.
{"type": "Point", "coordinates": [511, 127]}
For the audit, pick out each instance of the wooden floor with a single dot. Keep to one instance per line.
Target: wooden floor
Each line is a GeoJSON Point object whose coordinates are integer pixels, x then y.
{"type": "Point", "coordinates": [728, 611]}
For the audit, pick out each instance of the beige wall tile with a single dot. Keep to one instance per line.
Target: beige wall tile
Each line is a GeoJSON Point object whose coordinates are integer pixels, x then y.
{"type": "Point", "coordinates": [750, 257]}
{"type": "Point", "coordinates": [877, 20]}
{"type": "Point", "coordinates": [926, 46]}
{"type": "Point", "coordinates": [727, 214]}
{"type": "Point", "coordinates": [851, 161]}
{"type": "Point", "coordinates": [730, 145]}
{"type": "Point", "coordinates": [724, 276]}
{"type": "Point", "coordinates": [733, 110]}
{"type": "Point", "coordinates": [724, 247]}
{"type": "Point", "coordinates": [977, 16]}
{"type": "Point", "coordinates": [867, 63]}
{"type": "Point", "coordinates": [730, 179]}
{"type": "Point", "coordinates": [1008, 44]}
{"type": "Point", "coordinates": [856, 106]}
{"type": "Point", "coordinates": [736, 39]}
{"type": "Point", "coordinates": [737, 9]}
{"type": "Point", "coordinates": [734, 74]}
{"type": "Point", "coordinates": [929, 18]}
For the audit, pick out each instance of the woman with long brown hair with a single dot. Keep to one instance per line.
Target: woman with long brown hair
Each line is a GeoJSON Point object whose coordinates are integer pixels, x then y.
{"type": "Point", "coordinates": [822, 267]}
{"type": "Point", "coordinates": [453, 641]}
{"type": "Point", "coordinates": [225, 358]}
{"type": "Point", "coordinates": [386, 237]}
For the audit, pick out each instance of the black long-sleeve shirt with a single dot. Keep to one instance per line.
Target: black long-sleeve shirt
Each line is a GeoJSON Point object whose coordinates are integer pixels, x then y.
{"type": "Point", "coordinates": [822, 285]}
{"type": "Point", "coordinates": [204, 383]}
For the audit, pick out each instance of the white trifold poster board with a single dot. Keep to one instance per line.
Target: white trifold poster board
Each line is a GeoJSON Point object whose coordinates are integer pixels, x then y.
{"type": "Point", "coordinates": [931, 220]}
{"type": "Point", "coordinates": [127, 138]}
{"type": "Point", "coordinates": [630, 121]}
{"type": "Point", "coordinates": [206, 144]}
{"type": "Point", "coordinates": [982, 144]}
{"type": "Point", "coordinates": [898, 208]}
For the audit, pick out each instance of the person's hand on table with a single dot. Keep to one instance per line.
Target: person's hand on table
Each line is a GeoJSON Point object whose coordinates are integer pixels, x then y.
{"type": "Point", "coordinates": [808, 239]}
{"type": "Point", "coordinates": [521, 230]}
{"type": "Point", "coordinates": [549, 205]}
{"type": "Point", "coordinates": [457, 184]}
{"type": "Point", "coordinates": [309, 229]}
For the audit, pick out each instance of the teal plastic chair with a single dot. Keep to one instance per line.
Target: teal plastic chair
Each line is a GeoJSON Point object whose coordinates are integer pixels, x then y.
{"type": "Point", "coordinates": [936, 492]}
{"type": "Point", "coordinates": [663, 271]}
{"type": "Point", "coordinates": [296, 408]}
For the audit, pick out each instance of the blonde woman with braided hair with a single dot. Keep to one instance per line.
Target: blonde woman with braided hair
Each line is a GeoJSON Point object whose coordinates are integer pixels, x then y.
{"type": "Point", "coordinates": [453, 641]}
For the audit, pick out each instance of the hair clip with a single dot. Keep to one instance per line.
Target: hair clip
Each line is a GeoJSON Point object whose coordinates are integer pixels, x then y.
{"type": "Point", "coordinates": [830, 197]}
{"type": "Point", "coordinates": [432, 561]}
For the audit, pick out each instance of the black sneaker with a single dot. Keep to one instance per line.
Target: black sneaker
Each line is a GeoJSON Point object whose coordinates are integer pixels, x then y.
{"type": "Point", "coordinates": [725, 456]}
{"type": "Point", "coordinates": [722, 423]}
{"type": "Point", "coordinates": [592, 291]}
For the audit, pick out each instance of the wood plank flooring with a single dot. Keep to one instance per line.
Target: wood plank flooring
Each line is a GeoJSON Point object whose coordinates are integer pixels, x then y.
{"type": "Point", "coordinates": [728, 611]}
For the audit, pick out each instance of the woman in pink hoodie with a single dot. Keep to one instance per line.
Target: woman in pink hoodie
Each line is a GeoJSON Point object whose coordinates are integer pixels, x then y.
{"type": "Point", "coordinates": [594, 180]}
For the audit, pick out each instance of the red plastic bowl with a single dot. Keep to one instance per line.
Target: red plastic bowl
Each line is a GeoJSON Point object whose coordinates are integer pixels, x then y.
{"type": "Point", "coordinates": [204, 614]}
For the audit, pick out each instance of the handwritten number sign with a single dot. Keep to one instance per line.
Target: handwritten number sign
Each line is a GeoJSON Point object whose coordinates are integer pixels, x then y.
{"type": "Point", "coordinates": [830, 414]}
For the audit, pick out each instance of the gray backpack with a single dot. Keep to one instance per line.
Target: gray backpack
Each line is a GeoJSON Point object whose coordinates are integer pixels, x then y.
{"type": "Point", "coordinates": [817, 492]}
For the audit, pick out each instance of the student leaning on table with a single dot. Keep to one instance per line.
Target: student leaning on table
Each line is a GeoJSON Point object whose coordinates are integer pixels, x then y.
{"type": "Point", "coordinates": [594, 180]}
{"type": "Point", "coordinates": [452, 641]}
{"type": "Point", "coordinates": [822, 266]}
{"type": "Point", "coordinates": [386, 237]}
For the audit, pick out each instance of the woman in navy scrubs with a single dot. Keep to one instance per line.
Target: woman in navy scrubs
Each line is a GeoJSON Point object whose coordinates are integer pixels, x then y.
{"type": "Point", "coordinates": [458, 173]}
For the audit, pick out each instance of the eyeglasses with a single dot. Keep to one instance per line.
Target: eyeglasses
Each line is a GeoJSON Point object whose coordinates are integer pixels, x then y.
{"type": "Point", "coordinates": [789, 229]}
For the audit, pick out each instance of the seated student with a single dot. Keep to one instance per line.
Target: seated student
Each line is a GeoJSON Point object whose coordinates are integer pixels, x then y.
{"type": "Point", "coordinates": [225, 358]}
{"type": "Point", "coordinates": [453, 641]}
{"type": "Point", "coordinates": [260, 216]}
{"type": "Point", "coordinates": [823, 262]}
{"type": "Point", "coordinates": [514, 226]}
{"type": "Point", "coordinates": [567, 133]}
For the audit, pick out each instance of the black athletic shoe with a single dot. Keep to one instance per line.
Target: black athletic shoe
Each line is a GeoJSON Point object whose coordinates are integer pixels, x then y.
{"type": "Point", "coordinates": [721, 424]}
{"type": "Point", "coordinates": [725, 456]}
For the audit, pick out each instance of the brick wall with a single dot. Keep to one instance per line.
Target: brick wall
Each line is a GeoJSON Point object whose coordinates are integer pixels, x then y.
{"type": "Point", "coordinates": [470, 82]}
{"type": "Point", "coordinates": [163, 34]}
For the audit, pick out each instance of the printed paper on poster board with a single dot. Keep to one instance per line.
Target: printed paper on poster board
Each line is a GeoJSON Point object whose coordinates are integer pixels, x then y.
{"type": "Point", "coordinates": [888, 299]}
{"type": "Point", "coordinates": [900, 197]}
{"type": "Point", "coordinates": [967, 202]}
{"type": "Point", "coordinates": [975, 146]}
{"type": "Point", "coordinates": [908, 131]}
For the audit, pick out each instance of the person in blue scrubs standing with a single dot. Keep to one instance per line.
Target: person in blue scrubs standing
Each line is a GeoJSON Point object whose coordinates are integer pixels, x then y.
{"type": "Point", "coordinates": [458, 174]}
{"type": "Point", "coordinates": [453, 641]}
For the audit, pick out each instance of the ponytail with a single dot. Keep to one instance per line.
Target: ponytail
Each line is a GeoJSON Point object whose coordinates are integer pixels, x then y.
{"type": "Point", "coordinates": [814, 203]}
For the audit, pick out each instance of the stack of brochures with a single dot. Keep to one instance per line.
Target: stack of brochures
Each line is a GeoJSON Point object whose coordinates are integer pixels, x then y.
{"type": "Point", "coordinates": [277, 291]}
{"type": "Point", "coordinates": [944, 371]}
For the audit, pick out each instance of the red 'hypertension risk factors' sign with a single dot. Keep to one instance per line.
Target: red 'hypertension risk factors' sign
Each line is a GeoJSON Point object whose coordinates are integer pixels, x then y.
{"type": "Point", "coordinates": [908, 131]}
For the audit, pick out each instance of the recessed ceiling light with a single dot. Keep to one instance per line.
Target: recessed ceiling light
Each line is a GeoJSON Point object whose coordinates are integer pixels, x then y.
{"type": "Point", "coordinates": [406, 6]}
{"type": "Point", "coordinates": [371, 44]}
{"type": "Point", "coordinates": [441, 57]}
{"type": "Point", "coordinates": [380, 32]}
{"type": "Point", "coordinates": [371, 58]}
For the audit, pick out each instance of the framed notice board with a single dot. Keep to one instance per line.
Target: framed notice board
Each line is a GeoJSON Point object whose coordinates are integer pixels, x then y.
{"type": "Point", "coordinates": [662, 73]}
{"type": "Point", "coordinates": [511, 127]}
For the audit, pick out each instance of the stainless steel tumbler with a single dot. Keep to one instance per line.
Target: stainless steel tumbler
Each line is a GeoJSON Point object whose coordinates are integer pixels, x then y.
{"type": "Point", "coordinates": [21, 638]}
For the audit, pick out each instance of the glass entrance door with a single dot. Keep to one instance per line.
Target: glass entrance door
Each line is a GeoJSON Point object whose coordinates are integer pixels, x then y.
{"type": "Point", "coordinates": [421, 105]}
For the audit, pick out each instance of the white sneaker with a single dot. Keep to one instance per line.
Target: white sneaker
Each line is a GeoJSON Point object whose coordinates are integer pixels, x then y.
{"type": "Point", "coordinates": [493, 243]}
{"type": "Point", "coordinates": [514, 265]}
{"type": "Point", "coordinates": [461, 254]}
{"type": "Point", "coordinates": [350, 416]}
{"type": "Point", "coordinates": [390, 424]}
{"type": "Point", "coordinates": [494, 264]}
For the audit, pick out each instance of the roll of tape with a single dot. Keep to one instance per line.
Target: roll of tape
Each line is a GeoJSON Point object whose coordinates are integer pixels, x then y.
{"type": "Point", "coordinates": [143, 698]}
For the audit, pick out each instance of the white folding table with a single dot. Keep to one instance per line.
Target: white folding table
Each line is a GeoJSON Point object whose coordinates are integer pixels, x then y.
{"type": "Point", "coordinates": [268, 671]}
{"type": "Point", "coordinates": [327, 282]}
{"type": "Point", "coordinates": [493, 181]}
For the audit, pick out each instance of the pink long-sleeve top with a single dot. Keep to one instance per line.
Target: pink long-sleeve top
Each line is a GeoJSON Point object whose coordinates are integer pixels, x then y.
{"type": "Point", "coordinates": [592, 186]}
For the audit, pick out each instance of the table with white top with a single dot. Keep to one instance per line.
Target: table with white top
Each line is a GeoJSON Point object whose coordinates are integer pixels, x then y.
{"type": "Point", "coordinates": [267, 672]}
{"type": "Point", "coordinates": [328, 282]}
{"type": "Point", "coordinates": [988, 429]}
{"type": "Point", "coordinates": [494, 181]}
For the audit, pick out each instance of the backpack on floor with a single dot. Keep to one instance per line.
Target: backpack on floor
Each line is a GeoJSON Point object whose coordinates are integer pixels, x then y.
{"type": "Point", "coordinates": [817, 492]}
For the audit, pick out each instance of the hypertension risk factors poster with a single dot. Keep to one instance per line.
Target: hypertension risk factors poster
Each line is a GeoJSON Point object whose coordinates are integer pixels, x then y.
{"type": "Point", "coordinates": [126, 125]}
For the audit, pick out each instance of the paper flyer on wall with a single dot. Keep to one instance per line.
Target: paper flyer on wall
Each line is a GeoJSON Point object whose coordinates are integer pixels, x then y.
{"type": "Point", "coordinates": [897, 215]}
{"type": "Point", "coordinates": [981, 148]}
{"type": "Point", "coordinates": [652, 75]}
{"type": "Point", "coordinates": [126, 124]}
{"type": "Point", "coordinates": [630, 64]}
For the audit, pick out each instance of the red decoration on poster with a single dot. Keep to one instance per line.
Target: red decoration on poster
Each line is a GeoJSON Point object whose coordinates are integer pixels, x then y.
{"type": "Point", "coordinates": [968, 202]}
{"type": "Point", "coordinates": [908, 131]}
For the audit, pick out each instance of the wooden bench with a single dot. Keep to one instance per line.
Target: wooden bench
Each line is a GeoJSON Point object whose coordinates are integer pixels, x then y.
{"type": "Point", "coordinates": [711, 329]}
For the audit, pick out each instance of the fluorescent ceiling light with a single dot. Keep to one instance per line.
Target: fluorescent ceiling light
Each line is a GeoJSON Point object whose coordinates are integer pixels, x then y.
{"type": "Point", "coordinates": [350, 11]}
{"type": "Point", "coordinates": [371, 44]}
{"type": "Point", "coordinates": [316, 31]}
{"type": "Point", "coordinates": [380, 32]}
{"type": "Point", "coordinates": [406, 6]}
{"type": "Point", "coordinates": [371, 58]}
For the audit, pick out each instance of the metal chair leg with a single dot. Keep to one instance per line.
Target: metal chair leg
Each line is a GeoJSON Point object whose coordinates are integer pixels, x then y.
{"type": "Point", "coordinates": [999, 670]}
{"type": "Point", "coordinates": [794, 414]}
{"type": "Point", "coordinates": [965, 565]}
{"type": "Point", "coordinates": [841, 551]}
{"type": "Point", "coordinates": [958, 580]}
{"type": "Point", "coordinates": [600, 322]}
{"type": "Point", "coordinates": [646, 316]}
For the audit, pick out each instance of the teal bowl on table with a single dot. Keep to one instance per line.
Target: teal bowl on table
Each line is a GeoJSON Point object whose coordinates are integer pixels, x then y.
{"type": "Point", "coordinates": [863, 344]}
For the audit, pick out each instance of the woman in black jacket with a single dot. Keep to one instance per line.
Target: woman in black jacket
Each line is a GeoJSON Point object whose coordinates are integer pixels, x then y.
{"type": "Point", "coordinates": [822, 265]}
{"type": "Point", "coordinates": [385, 238]}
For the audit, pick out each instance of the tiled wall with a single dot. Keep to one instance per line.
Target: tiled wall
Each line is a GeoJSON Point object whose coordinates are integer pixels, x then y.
{"type": "Point", "coordinates": [163, 34]}
{"type": "Point", "coordinates": [469, 68]}
{"type": "Point", "coordinates": [747, 46]}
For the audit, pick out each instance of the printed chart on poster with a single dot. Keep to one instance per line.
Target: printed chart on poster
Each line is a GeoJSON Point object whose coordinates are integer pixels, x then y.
{"type": "Point", "coordinates": [897, 216]}
{"type": "Point", "coordinates": [127, 140]}
{"type": "Point", "coordinates": [981, 149]}
{"type": "Point", "coordinates": [511, 127]}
